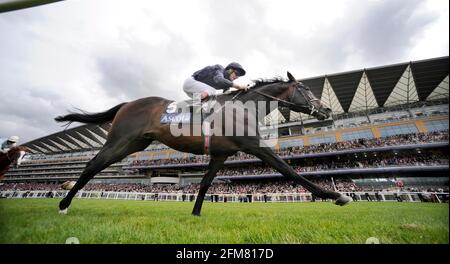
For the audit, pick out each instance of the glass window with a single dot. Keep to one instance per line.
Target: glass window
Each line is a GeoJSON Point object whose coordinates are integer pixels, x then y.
{"type": "Point", "coordinates": [398, 130]}
{"type": "Point", "coordinates": [176, 155]}
{"type": "Point", "coordinates": [160, 156]}
{"type": "Point", "coordinates": [437, 125]}
{"type": "Point", "coordinates": [322, 139]}
{"type": "Point", "coordinates": [291, 143]}
{"type": "Point", "coordinates": [357, 134]}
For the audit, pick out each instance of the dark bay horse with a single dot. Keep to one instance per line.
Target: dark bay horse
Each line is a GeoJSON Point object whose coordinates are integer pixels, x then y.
{"type": "Point", "coordinates": [136, 124]}
{"type": "Point", "coordinates": [12, 157]}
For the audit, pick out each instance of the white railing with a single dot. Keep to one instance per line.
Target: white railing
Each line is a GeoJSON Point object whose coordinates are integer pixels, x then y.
{"type": "Point", "coordinates": [269, 197]}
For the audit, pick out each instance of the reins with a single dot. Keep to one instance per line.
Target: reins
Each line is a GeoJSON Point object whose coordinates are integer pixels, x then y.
{"type": "Point", "coordinates": [275, 98]}
{"type": "Point", "coordinates": [308, 100]}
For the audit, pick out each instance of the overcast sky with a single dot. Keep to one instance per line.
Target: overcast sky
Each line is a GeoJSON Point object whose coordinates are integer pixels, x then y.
{"type": "Point", "coordinates": [94, 54]}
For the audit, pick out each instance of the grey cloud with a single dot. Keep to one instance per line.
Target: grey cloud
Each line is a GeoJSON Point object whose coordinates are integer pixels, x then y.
{"type": "Point", "coordinates": [144, 69]}
{"type": "Point", "coordinates": [386, 32]}
{"type": "Point", "coordinates": [233, 33]}
{"type": "Point", "coordinates": [380, 32]}
{"type": "Point", "coordinates": [31, 112]}
{"type": "Point", "coordinates": [23, 112]}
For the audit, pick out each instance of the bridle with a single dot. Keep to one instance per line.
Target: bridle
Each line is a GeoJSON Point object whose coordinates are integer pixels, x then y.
{"type": "Point", "coordinates": [313, 109]}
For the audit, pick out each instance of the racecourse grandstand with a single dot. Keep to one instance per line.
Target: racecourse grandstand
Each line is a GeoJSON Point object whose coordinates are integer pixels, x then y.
{"type": "Point", "coordinates": [388, 133]}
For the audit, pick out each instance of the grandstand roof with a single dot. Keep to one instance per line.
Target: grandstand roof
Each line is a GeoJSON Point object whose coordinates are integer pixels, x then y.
{"type": "Point", "coordinates": [426, 74]}
{"type": "Point", "coordinates": [81, 138]}
{"type": "Point", "coordinates": [351, 91]}
{"type": "Point", "coordinates": [388, 85]}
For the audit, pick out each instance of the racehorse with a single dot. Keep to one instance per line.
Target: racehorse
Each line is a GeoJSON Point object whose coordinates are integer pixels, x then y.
{"type": "Point", "coordinates": [136, 124]}
{"type": "Point", "coordinates": [12, 157]}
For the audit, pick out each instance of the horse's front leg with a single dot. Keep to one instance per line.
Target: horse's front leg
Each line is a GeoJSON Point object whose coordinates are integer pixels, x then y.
{"type": "Point", "coordinates": [268, 156]}
{"type": "Point", "coordinates": [215, 164]}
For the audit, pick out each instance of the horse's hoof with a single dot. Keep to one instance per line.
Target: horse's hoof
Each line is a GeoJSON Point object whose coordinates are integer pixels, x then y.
{"type": "Point", "coordinates": [64, 204]}
{"type": "Point", "coordinates": [343, 200]}
{"type": "Point", "coordinates": [63, 212]}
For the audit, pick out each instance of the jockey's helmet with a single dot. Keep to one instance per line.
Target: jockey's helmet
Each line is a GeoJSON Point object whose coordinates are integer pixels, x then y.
{"type": "Point", "coordinates": [237, 67]}
{"type": "Point", "coordinates": [13, 139]}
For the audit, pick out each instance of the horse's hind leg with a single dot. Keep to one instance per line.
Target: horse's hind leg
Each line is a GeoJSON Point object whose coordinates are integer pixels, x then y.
{"type": "Point", "coordinates": [111, 153]}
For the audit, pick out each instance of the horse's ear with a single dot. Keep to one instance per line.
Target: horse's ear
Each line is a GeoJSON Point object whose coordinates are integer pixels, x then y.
{"type": "Point", "coordinates": [291, 78]}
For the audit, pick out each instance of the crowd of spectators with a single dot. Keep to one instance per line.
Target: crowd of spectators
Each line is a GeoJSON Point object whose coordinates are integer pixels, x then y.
{"type": "Point", "coordinates": [30, 186]}
{"type": "Point", "coordinates": [76, 157]}
{"type": "Point", "coordinates": [216, 188]}
{"type": "Point", "coordinates": [50, 159]}
{"type": "Point", "coordinates": [54, 173]}
{"type": "Point", "coordinates": [406, 139]}
{"type": "Point", "coordinates": [220, 187]}
{"type": "Point", "coordinates": [380, 161]}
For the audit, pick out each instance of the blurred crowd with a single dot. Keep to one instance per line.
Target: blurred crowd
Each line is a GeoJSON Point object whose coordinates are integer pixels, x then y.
{"type": "Point", "coordinates": [379, 161]}
{"type": "Point", "coordinates": [357, 160]}
{"type": "Point", "coordinates": [407, 139]}
{"type": "Point", "coordinates": [376, 160]}
{"type": "Point", "coordinates": [229, 187]}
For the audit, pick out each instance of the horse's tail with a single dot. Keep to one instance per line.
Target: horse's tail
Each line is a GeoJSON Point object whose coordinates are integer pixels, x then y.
{"type": "Point", "coordinates": [90, 118]}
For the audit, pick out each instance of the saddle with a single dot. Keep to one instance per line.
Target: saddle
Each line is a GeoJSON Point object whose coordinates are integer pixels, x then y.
{"type": "Point", "coordinates": [183, 112]}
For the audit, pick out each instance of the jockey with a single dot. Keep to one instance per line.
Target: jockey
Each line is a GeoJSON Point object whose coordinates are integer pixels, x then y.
{"type": "Point", "coordinates": [9, 143]}
{"type": "Point", "coordinates": [211, 78]}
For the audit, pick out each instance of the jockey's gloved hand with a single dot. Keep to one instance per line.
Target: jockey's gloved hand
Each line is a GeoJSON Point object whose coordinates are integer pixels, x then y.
{"type": "Point", "coordinates": [241, 86]}
{"type": "Point", "coordinates": [250, 84]}
{"type": "Point", "coordinates": [204, 95]}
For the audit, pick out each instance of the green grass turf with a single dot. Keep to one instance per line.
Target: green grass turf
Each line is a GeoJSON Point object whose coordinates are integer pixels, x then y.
{"type": "Point", "coordinates": [118, 221]}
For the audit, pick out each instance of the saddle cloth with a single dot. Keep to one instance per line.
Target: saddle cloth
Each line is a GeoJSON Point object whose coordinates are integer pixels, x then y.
{"type": "Point", "coordinates": [182, 112]}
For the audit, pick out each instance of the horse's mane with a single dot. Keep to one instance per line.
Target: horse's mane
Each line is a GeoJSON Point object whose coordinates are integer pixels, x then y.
{"type": "Point", "coordinates": [263, 82]}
